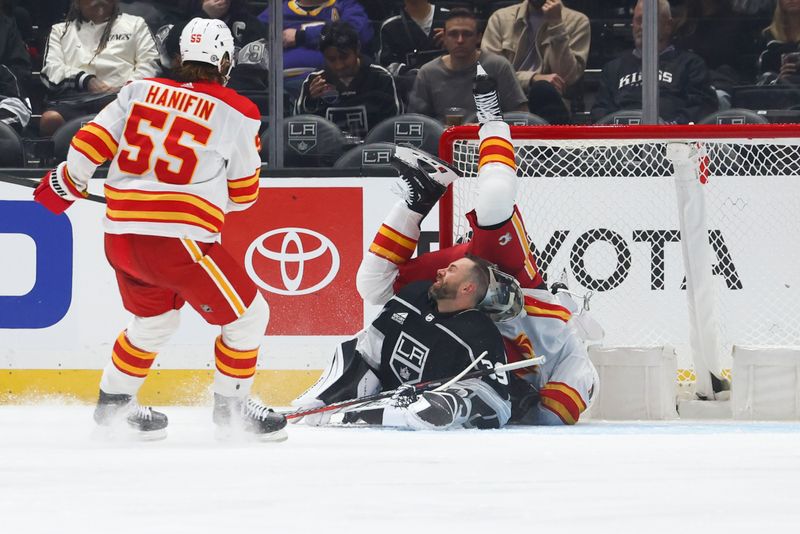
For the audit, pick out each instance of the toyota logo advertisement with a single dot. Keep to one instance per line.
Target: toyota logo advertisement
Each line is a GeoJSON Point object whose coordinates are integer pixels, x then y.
{"type": "Point", "coordinates": [302, 247]}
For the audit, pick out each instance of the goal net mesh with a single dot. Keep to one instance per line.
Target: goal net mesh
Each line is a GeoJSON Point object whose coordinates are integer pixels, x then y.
{"type": "Point", "coordinates": [602, 215]}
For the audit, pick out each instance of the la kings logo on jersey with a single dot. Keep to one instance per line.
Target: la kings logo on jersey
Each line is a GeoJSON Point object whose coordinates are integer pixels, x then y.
{"type": "Point", "coordinates": [408, 359]}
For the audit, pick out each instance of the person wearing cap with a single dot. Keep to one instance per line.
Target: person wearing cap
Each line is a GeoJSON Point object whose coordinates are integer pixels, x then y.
{"type": "Point", "coordinates": [351, 91]}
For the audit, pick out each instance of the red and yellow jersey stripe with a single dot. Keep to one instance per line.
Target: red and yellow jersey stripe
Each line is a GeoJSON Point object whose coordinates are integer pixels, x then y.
{"type": "Point", "coordinates": [244, 190]}
{"type": "Point", "coordinates": [393, 246]}
{"type": "Point", "coordinates": [133, 205]}
{"type": "Point", "coordinates": [540, 308]}
{"type": "Point", "coordinates": [130, 360]}
{"type": "Point", "coordinates": [235, 363]}
{"type": "Point", "coordinates": [496, 150]}
{"type": "Point", "coordinates": [563, 401]}
{"type": "Point", "coordinates": [95, 143]}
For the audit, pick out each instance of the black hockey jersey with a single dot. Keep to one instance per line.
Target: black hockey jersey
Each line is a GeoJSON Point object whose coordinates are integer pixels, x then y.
{"type": "Point", "coordinates": [421, 344]}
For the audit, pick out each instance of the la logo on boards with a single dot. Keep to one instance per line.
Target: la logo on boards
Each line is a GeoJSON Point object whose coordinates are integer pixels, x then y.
{"type": "Point", "coordinates": [48, 301]}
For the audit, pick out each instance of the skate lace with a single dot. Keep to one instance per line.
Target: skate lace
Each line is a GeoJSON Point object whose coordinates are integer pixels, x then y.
{"type": "Point", "coordinates": [141, 412]}
{"type": "Point", "coordinates": [255, 409]}
{"type": "Point", "coordinates": [488, 104]}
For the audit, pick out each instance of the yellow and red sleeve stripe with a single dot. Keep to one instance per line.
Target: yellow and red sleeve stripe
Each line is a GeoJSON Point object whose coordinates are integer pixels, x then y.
{"type": "Point", "coordinates": [244, 190]}
{"type": "Point", "coordinates": [496, 150]}
{"type": "Point", "coordinates": [130, 360]}
{"type": "Point", "coordinates": [545, 309]}
{"type": "Point", "coordinates": [164, 207]}
{"type": "Point", "coordinates": [70, 184]}
{"type": "Point", "coordinates": [94, 142]}
{"type": "Point", "coordinates": [393, 246]}
{"type": "Point", "coordinates": [235, 363]}
{"type": "Point", "coordinates": [563, 401]}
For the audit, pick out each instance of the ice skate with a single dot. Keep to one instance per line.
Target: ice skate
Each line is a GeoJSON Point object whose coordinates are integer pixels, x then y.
{"type": "Point", "coordinates": [427, 177]}
{"type": "Point", "coordinates": [232, 414]}
{"type": "Point", "coordinates": [113, 410]}
{"type": "Point", "coordinates": [484, 90]}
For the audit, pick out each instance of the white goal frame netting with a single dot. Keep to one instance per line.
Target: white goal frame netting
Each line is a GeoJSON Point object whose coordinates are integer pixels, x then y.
{"type": "Point", "coordinates": [604, 208]}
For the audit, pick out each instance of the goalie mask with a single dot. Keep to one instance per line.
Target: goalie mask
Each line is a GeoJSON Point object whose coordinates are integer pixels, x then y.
{"type": "Point", "coordinates": [504, 299]}
{"type": "Point", "coordinates": [207, 41]}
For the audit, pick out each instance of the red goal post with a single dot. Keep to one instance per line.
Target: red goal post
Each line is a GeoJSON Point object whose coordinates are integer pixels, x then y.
{"type": "Point", "coordinates": [606, 209]}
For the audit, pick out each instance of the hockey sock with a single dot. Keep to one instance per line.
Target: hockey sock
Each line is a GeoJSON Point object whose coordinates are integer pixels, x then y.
{"type": "Point", "coordinates": [393, 245]}
{"type": "Point", "coordinates": [135, 350]}
{"type": "Point", "coordinates": [497, 175]}
{"type": "Point", "coordinates": [235, 370]}
{"type": "Point", "coordinates": [128, 368]}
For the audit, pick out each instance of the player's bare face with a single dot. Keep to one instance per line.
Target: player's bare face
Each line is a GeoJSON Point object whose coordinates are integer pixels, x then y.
{"type": "Point", "coordinates": [448, 281]}
{"type": "Point", "coordinates": [343, 63]}
{"type": "Point", "coordinates": [461, 38]}
{"type": "Point", "coordinates": [96, 10]}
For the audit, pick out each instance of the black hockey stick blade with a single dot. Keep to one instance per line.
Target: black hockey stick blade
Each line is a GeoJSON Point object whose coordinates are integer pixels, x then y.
{"type": "Point", "coordinates": [33, 183]}
{"type": "Point", "coordinates": [422, 386]}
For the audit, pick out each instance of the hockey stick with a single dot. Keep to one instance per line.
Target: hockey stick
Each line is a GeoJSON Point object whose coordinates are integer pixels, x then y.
{"type": "Point", "coordinates": [33, 183]}
{"type": "Point", "coordinates": [462, 373]}
{"type": "Point", "coordinates": [422, 386]}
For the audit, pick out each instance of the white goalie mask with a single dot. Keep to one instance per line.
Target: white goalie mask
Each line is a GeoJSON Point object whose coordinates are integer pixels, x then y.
{"type": "Point", "coordinates": [207, 41]}
{"type": "Point", "coordinates": [504, 299]}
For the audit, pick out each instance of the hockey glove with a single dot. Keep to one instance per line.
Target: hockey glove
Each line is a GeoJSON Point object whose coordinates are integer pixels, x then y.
{"type": "Point", "coordinates": [56, 191]}
{"type": "Point", "coordinates": [404, 396]}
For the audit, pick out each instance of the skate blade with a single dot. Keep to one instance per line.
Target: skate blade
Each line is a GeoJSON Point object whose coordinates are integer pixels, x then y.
{"type": "Point", "coordinates": [235, 434]}
{"type": "Point", "coordinates": [122, 432]}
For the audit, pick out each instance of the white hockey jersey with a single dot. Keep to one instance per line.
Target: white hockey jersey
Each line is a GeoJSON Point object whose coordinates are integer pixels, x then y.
{"type": "Point", "coordinates": [182, 155]}
{"type": "Point", "coordinates": [70, 58]}
{"type": "Point", "coordinates": [567, 381]}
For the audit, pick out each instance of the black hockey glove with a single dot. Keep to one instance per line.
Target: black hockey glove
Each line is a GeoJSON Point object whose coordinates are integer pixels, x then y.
{"type": "Point", "coordinates": [404, 396]}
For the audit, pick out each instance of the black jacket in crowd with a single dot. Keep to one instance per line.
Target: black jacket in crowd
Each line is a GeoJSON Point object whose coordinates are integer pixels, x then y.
{"type": "Point", "coordinates": [685, 92]}
{"type": "Point", "coordinates": [403, 41]}
{"type": "Point", "coordinates": [370, 98]}
{"type": "Point", "coordinates": [15, 63]}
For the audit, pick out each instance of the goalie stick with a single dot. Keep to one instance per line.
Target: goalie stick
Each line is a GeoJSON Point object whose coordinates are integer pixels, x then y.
{"type": "Point", "coordinates": [422, 386]}
{"type": "Point", "coordinates": [33, 183]}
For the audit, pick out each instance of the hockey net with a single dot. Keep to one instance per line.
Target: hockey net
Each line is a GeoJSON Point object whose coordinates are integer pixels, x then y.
{"type": "Point", "coordinates": [602, 213]}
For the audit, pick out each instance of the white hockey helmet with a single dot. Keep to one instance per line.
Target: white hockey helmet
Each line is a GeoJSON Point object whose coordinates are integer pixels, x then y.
{"type": "Point", "coordinates": [207, 41]}
{"type": "Point", "coordinates": [504, 299]}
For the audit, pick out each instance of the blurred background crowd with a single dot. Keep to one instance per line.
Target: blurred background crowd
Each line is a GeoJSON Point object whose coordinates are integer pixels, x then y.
{"type": "Point", "coordinates": [358, 67]}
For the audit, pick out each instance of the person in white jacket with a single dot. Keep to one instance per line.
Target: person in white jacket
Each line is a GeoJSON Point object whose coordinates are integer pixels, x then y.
{"type": "Point", "coordinates": [89, 56]}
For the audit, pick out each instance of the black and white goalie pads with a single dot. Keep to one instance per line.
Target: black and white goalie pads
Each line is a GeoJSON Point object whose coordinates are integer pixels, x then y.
{"type": "Point", "coordinates": [467, 404]}
{"type": "Point", "coordinates": [347, 376]}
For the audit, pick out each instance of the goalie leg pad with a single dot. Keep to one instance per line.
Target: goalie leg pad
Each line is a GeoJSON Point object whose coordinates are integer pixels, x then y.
{"type": "Point", "coordinates": [434, 410]}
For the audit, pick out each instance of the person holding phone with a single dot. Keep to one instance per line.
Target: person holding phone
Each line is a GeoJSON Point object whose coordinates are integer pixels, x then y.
{"type": "Point", "coordinates": [413, 37]}
{"type": "Point", "coordinates": [779, 59]}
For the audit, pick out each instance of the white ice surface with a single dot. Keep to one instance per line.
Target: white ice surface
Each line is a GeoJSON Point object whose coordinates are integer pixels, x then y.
{"type": "Point", "coordinates": [56, 478]}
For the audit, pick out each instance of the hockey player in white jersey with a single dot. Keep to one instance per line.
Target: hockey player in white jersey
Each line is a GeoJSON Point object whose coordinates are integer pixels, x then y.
{"type": "Point", "coordinates": [560, 390]}
{"type": "Point", "coordinates": [182, 154]}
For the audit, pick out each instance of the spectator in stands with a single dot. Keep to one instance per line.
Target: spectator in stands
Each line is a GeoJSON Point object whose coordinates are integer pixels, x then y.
{"type": "Point", "coordinates": [150, 12]}
{"type": "Point", "coordinates": [413, 37]}
{"type": "Point", "coordinates": [548, 45]}
{"type": "Point", "coordinates": [350, 91]}
{"type": "Point", "coordinates": [780, 59]}
{"type": "Point", "coordinates": [303, 21]}
{"type": "Point", "coordinates": [723, 38]}
{"type": "Point", "coordinates": [250, 72]}
{"type": "Point", "coordinates": [15, 69]}
{"type": "Point", "coordinates": [446, 82]}
{"type": "Point", "coordinates": [236, 14]}
{"type": "Point", "coordinates": [684, 89]}
{"type": "Point", "coordinates": [90, 56]}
